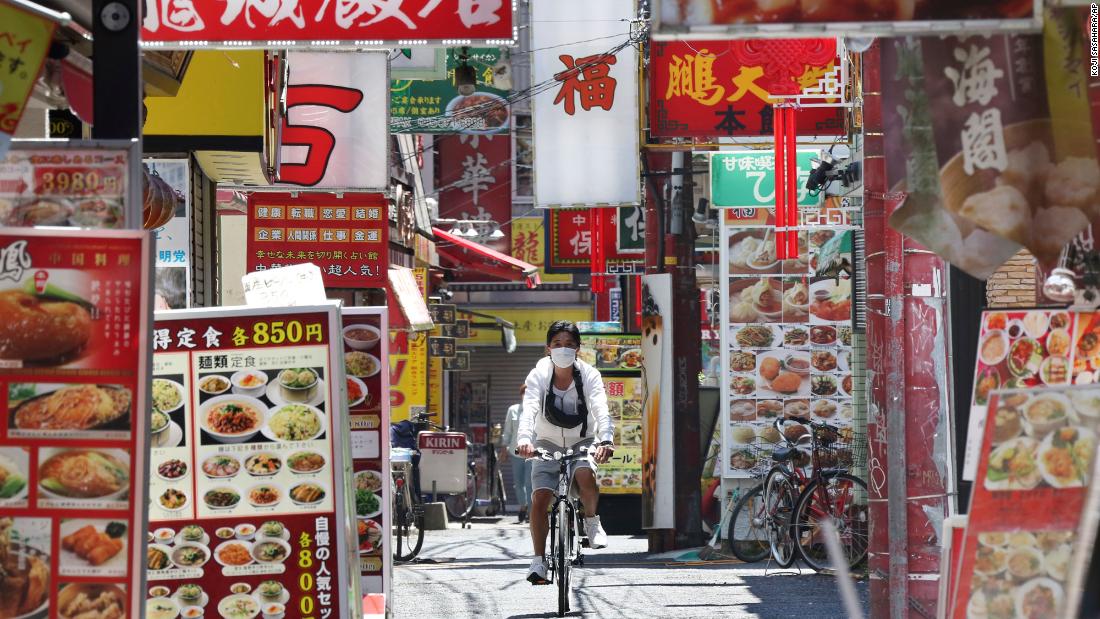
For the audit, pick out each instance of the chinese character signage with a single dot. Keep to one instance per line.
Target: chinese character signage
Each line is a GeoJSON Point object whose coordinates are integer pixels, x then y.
{"type": "Point", "coordinates": [74, 314]}
{"type": "Point", "coordinates": [24, 40]}
{"type": "Point", "coordinates": [173, 240]}
{"type": "Point", "coordinates": [476, 187]}
{"type": "Point", "coordinates": [674, 18]}
{"type": "Point", "coordinates": [66, 184]}
{"type": "Point", "coordinates": [630, 229]}
{"type": "Point", "coordinates": [1019, 549]}
{"type": "Point", "coordinates": [746, 179]}
{"type": "Point", "coordinates": [1005, 178]}
{"type": "Point", "coordinates": [441, 346]}
{"type": "Point", "coordinates": [249, 507]}
{"type": "Point", "coordinates": [335, 134]}
{"type": "Point", "coordinates": [460, 329]}
{"type": "Point", "coordinates": [570, 246]}
{"type": "Point", "coordinates": [435, 106]}
{"type": "Point", "coordinates": [529, 245]}
{"type": "Point", "coordinates": [182, 24]}
{"type": "Point", "coordinates": [699, 89]}
{"type": "Point", "coordinates": [458, 363]}
{"type": "Point", "coordinates": [623, 473]}
{"type": "Point", "coordinates": [442, 313]}
{"type": "Point", "coordinates": [345, 236]}
{"type": "Point", "coordinates": [364, 330]}
{"type": "Point", "coordinates": [586, 126]}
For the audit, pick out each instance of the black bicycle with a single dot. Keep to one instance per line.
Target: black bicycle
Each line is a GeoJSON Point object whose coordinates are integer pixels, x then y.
{"type": "Point", "coordinates": [566, 528]}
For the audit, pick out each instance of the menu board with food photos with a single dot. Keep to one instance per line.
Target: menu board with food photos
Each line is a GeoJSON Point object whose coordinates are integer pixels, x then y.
{"type": "Point", "coordinates": [74, 357]}
{"type": "Point", "coordinates": [622, 474]}
{"type": "Point", "coordinates": [612, 352]}
{"type": "Point", "coordinates": [1037, 454]}
{"type": "Point", "coordinates": [248, 500]}
{"type": "Point", "coordinates": [1031, 349]}
{"type": "Point", "coordinates": [368, 426]}
{"type": "Point", "coordinates": [787, 334]}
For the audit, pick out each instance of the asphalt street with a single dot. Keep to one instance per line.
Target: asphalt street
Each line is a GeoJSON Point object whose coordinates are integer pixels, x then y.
{"type": "Point", "coordinates": [481, 573]}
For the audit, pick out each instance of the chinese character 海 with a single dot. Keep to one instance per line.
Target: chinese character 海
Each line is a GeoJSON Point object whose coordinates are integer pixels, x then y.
{"type": "Point", "coordinates": [977, 81]}
{"type": "Point", "coordinates": [590, 77]}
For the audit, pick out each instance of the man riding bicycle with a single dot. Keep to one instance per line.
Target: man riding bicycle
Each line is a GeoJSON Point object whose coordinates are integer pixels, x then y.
{"type": "Point", "coordinates": [564, 406]}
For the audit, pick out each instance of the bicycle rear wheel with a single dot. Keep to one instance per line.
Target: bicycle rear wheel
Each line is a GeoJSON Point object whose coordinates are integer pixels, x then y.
{"type": "Point", "coordinates": [561, 555]}
{"type": "Point", "coordinates": [747, 534]}
{"type": "Point", "coordinates": [842, 500]}
{"type": "Point", "coordinates": [780, 498]}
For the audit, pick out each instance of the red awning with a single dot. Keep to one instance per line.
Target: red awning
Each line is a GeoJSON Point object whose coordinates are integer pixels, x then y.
{"type": "Point", "coordinates": [485, 260]}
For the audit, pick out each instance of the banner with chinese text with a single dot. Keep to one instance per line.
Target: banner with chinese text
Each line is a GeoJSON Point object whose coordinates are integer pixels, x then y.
{"type": "Point", "coordinates": [698, 89]}
{"type": "Point", "coordinates": [249, 508]}
{"type": "Point", "coordinates": [437, 107]}
{"type": "Point", "coordinates": [408, 359]}
{"type": "Point", "coordinates": [175, 24]}
{"type": "Point", "coordinates": [74, 385]}
{"type": "Point", "coordinates": [364, 331]}
{"type": "Point", "coordinates": [570, 243]}
{"type": "Point", "coordinates": [863, 18]}
{"type": "Point", "coordinates": [347, 237]}
{"type": "Point", "coordinates": [529, 245]}
{"type": "Point", "coordinates": [746, 179]}
{"type": "Point", "coordinates": [475, 184]}
{"type": "Point", "coordinates": [586, 136]}
{"type": "Point", "coordinates": [24, 40]}
{"type": "Point", "coordinates": [335, 133]}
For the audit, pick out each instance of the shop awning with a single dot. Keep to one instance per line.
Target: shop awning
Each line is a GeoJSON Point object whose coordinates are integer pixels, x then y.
{"type": "Point", "coordinates": [485, 260]}
{"type": "Point", "coordinates": [408, 297]}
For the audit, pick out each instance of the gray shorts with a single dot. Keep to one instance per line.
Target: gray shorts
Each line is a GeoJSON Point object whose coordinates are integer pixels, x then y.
{"type": "Point", "coordinates": [544, 473]}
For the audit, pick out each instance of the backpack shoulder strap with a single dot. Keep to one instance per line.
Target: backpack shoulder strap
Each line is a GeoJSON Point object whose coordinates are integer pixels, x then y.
{"type": "Point", "coordinates": [579, 384]}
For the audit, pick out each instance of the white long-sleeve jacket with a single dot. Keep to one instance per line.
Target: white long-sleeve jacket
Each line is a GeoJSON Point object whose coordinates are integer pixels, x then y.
{"type": "Point", "coordinates": [536, 429]}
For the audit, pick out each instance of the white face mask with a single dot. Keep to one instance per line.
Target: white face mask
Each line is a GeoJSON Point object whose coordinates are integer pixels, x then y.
{"type": "Point", "coordinates": [563, 357]}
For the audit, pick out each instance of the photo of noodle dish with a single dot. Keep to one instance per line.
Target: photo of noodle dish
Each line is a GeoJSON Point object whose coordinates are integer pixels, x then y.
{"type": "Point", "coordinates": [84, 474]}
{"type": "Point", "coordinates": [479, 113]}
{"type": "Point", "coordinates": [232, 418]}
{"type": "Point", "coordinates": [68, 407]}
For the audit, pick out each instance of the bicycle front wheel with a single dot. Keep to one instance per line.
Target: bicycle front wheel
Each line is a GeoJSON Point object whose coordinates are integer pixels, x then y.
{"type": "Point", "coordinates": [562, 551]}
{"type": "Point", "coordinates": [780, 498]}
{"type": "Point", "coordinates": [842, 500]}
{"type": "Point", "coordinates": [410, 531]}
{"type": "Point", "coordinates": [747, 533]}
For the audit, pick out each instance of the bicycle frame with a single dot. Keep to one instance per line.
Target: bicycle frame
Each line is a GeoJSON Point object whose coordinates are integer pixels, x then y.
{"type": "Point", "coordinates": [563, 504]}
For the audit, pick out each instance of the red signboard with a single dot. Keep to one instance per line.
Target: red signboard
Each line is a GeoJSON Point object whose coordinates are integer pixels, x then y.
{"type": "Point", "coordinates": [74, 308]}
{"type": "Point", "coordinates": [347, 237]}
{"type": "Point", "coordinates": [700, 89]}
{"type": "Point", "coordinates": [199, 23]}
{"type": "Point", "coordinates": [476, 177]}
{"type": "Point", "coordinates": [247, 508]}
{"type": "Point", "coordinates": [570, 243]}
{"type": "Point", "coordinates": [364, 333]}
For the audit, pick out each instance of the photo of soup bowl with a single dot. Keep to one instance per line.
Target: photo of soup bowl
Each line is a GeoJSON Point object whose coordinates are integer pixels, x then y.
{"type": "Point", "coordinates": [361, 337]}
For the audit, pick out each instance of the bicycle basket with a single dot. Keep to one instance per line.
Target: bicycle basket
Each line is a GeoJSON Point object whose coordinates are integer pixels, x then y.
{"type": "Point", "coordinates": [842, 448]}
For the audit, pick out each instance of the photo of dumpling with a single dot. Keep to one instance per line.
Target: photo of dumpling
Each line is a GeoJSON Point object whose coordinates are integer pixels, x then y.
{"type": "Point", "coordinates": [1003, 210]}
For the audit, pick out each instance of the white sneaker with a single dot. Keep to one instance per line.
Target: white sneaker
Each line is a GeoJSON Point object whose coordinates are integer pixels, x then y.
{"type": "Point", "coordinates": [537, 572]}
{"type": "Point", "coordinates": [594, 530]}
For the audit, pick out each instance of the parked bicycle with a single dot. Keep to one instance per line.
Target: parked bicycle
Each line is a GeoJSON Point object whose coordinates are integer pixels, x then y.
{"type": "Point", "coordinates": [408, 499]}
{"type": "Point", "coordinates": [784, 515]}
{"type": "Point", "coordinates": [566, 528]}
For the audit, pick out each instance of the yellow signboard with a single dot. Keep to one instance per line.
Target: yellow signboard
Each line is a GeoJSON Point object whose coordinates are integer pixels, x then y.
{"type": "Point", "coordinates": [623, 473]}
{"type": "Point", "coordinates": [531, 324]}
{"type": "Point", "coordinates": [529, 245]}
{"type": "Point", "coordinates": [222, 94]}
{"type": "Point", "coordinates": [409, 370]}
{"type": "Point", "coordinates": [24, 41]}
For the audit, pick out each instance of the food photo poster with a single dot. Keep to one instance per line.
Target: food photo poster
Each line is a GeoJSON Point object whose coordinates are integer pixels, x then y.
{"type": "Point", "coordinates": [248, 505]}
{"type": "Point", "coordinates": [74, 355]}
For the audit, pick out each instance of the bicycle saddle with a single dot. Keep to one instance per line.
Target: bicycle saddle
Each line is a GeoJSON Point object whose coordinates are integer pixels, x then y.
{"type": "Point", "coordinates": [783, 454]}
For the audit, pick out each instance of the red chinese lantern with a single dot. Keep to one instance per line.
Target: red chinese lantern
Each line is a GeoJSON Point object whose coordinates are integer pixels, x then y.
{"type": "Point", "coordinates": [159, 200]}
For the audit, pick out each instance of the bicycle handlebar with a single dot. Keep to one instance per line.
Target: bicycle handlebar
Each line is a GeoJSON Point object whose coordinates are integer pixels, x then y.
{"type": "Point", "coordinates": [571, 454]}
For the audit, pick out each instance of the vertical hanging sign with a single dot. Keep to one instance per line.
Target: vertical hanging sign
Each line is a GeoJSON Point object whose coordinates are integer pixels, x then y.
{"type": "Point", "coordinates": [586, 135]}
